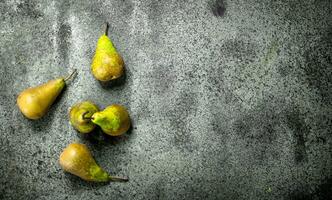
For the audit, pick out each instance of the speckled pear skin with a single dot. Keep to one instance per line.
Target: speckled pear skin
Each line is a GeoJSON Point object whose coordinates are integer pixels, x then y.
{"type": "Point", "coordinates": [107, 63]}
{"type": "Point", "coordinates": [35, 102]}
{"type": "Point", "coordinates": [77, 159]}
{"type": "Point", "coordinates": [79, 115]}
{"type": "Point", "coordinates": [113, 120]}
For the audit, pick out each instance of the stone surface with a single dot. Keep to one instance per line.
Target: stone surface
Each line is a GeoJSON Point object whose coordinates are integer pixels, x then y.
{"type": "Point", "coordinates": [229, 99]}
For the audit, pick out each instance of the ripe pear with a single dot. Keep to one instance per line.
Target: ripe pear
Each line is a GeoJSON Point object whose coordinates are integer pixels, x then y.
{"type": "Point", "coordinates": [107, 63]}
{"type": "Point", "coordinates": [80, 115]}
{"type": "Point", "coordinates": [77, 159]}
{"type": "Point", "coordinates": [113, 120]}
{"type": "Point", "coordinates": [35, 102]}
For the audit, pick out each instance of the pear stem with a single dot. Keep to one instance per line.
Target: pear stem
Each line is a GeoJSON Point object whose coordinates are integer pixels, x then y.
{"type": "Point", "coordinates": [84, 117]}
{"type": "Point", "coordinates": [106, 28]}
{"type": "Point", "coordinates": [71, 75]}
{"type": "Point", "coordinates": [118, 179]}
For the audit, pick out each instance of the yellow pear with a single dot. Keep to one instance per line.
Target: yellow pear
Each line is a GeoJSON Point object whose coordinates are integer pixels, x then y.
{"type": "Point", "coordinates": [107, 63]}
{"type": "Point", "coordinates": [35, 102]}
{"type": "Point", "coordinates": [77, 159]}
{"type": "Point", "coordinates": [80, 114]}
{"type": "Point", "coordinates": [113, 120]}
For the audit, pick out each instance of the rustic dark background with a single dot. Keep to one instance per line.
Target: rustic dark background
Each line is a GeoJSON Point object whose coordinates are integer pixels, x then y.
{"type": "Point", "coordinates": [229, 99]}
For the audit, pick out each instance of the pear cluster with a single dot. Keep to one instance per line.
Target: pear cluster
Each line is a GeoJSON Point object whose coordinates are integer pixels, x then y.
{"type": "Point", "coordinates": [114, 120]}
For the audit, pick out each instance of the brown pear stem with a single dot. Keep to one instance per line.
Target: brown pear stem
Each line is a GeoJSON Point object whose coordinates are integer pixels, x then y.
{"type": "Point", "coordinates": [106, 28]}
{"type": "Point", "coordinates": [118, 179]}
{"type": "Point", "coordinates": [71, 75]}
{"type": "Point", "coordinates": [84, 117]}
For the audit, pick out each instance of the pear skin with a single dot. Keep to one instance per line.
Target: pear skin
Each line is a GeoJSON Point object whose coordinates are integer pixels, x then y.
{"type": "Point", "coordinates": [77, 159]}
{"type": "Point", "coordinates": [107, 63]}
{"type": "Point", "coordinates": [80, 115]}
{"type": "Point", "coordinates": [113, 120]}
{"type": "Point", "coordinates": [35, 102]}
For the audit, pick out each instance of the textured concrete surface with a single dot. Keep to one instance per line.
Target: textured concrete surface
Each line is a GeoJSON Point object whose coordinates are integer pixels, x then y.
{"type": "Point", "coordinates": [229, 100]}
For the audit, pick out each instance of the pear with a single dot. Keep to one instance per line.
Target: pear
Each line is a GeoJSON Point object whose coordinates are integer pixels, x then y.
{"type": "Point", "coordinates": [77, 159]}
{"type": "Point", "coordinates": [35, 102]}
{"type": "Point", "coordinates": [113, 120]}
{"type": "Point", "coordinates": [107, 63]}
{"type": "Point", "coordinates": [80, 115]}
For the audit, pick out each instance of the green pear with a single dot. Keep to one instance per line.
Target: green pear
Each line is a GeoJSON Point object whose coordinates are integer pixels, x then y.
{"type": "Point", "coordinates": [35, 102]}
{"type": "Point", "coordinates": [113, 120]}
{"type": "Point", "coordinates": [107, 63]}
{"type": "Point", "coordinates": [77, 159]}
{"type": "Point", "coordinates": [80, 115]}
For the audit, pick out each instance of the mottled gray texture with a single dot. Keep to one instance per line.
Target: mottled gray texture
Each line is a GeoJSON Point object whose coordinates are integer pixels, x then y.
{"type": "Point", "coordinates": [229, 100]}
